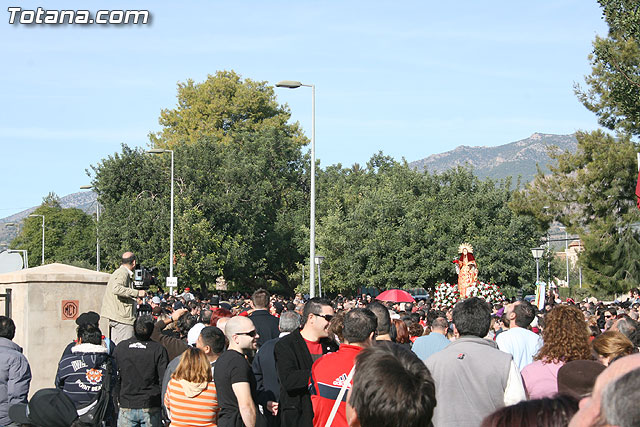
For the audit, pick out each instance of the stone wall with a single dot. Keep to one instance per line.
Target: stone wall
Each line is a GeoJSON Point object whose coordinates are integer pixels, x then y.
{"type": "Point", "coordinates": [43, 326]}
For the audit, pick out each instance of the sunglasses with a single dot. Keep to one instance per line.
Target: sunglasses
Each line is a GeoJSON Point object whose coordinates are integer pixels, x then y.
{"type": "Point", "coordinates": [607, 317]}
{"type": "Point", "coordinates": [250, 334]}
{"type": "Point", "coordinates": [326, 317]}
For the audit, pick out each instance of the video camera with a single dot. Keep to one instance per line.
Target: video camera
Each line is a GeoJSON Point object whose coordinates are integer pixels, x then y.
{"type": "Point", "coordinates": [144, 278]}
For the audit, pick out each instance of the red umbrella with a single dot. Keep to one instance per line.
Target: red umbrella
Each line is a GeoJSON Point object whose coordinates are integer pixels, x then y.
{"type": "Point", "coordinates": [395, 295]}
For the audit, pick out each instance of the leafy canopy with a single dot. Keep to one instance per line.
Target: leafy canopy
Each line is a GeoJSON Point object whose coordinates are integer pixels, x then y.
{"type": "Point", "coordinates": [218, 107]}
{"type": "Point", "coordinates": [389, 226]}
{"type": "Point", "coordinates": [592, 193]}
{"type": "Point", "coordinates": [613, 87]}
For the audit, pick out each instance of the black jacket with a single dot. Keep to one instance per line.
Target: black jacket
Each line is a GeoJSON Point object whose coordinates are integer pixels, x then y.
{"type": "Point", "coordinates": [266, 325]}
{"type": "Point", "coordinates": [266, 373]}
{"type": "Point", "coordinates": [141, 365]}
{"type": "Point", "coordinates": [294, 362]}
{"type": "Point", "coordinates": [81, 372]}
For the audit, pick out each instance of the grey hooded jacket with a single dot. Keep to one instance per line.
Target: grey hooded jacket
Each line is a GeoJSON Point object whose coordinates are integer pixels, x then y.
{"type": "Point", "coordinates": [15, 377]}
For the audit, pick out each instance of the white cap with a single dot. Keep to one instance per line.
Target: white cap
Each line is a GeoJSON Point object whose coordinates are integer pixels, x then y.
{"type": "Point", "coordinates": [194, 333]}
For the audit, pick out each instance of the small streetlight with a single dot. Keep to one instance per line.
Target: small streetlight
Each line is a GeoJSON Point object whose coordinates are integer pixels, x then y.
{"type": "Point", "coordinates": [537, 254]}
{"type": "Point", "coordinates": [171, 281]}
{"type": "Point", "coordinates": [291, 84]}
{"type": "Point", "coordinates": [13, 224]}
{"type": "Point", "coordinates": [319, 259]}
{"type": "Point", "coordinates": [90, 187]}
{"type": "Point", "coordinates": [25, 256]}
{"type": "Point", "coordinates": [33, 215]}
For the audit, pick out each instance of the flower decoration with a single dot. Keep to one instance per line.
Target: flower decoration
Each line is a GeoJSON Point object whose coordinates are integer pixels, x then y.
{"type": "Point", "coordinates": [447, 295]}
{"type": "Point", "coordinates": [487, 291]}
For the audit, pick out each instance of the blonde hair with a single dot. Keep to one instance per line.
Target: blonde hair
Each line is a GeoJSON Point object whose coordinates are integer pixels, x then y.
{"type": "Point", "coordinates": [193, 367]}
{"type": "Point", "coordinates": [612, 344]}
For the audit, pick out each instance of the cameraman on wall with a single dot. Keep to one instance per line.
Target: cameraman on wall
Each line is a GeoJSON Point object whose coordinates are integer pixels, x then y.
{"type": "Point", "coordinates": [119, 302]}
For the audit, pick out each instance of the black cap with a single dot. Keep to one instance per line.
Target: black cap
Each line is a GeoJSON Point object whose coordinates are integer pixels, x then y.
{"type": "Point", "coordinates": [48, 407]}
{"type": "Point", "coordinates": [88, 318]}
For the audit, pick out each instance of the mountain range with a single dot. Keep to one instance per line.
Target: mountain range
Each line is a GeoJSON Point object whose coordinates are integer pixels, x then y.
{"type": "Point", "coordinates": [516, 159]}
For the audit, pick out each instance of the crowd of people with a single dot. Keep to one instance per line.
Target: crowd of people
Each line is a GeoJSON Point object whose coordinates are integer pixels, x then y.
{"type": "Point", "coordinates": [232, 359]}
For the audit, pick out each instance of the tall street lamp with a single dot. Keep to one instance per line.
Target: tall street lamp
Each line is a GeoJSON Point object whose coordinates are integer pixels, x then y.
{"type": "Point", "coordinates": [319, 259]}
{"type": "Point", "coordinates": [171, 281]}
{"type": "Point", "coordinates": [312, 221]}
{"type": "Point", "coordinates": [566, 251]}
{"type": "Point", "coordinates": [89, 187]}
{"type": "Point", "coordinates": [537, 254]}
{"type": "Point", "coordinates": [579, 249]}
{"type": "Point", "coordinates": [566, 254]}
{"type": "Point", "coordinates": [33, 215]}
{"type": "Point", "coordinates": [25, 256]}
{"type": "Point", "coordinates": [546, 208]}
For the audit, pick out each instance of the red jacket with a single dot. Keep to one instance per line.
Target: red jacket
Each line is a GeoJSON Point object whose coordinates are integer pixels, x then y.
{"type": "Point", "coordinates": [327, 377]}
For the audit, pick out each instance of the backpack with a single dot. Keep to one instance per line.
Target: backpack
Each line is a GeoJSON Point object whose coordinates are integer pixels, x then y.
{"type": "Point", "coordinates": [94, 412]}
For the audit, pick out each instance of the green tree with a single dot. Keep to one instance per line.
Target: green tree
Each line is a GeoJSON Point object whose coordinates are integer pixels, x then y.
{"type": "Point", "coordinates": [592, 193]}
{"type": "Point", "coordinates": [240, 186]}
{"type": "Point", "coordinates": [69, 235]}
{"type": "Point", "coordinates": [389, 226]}
{"type": "Point", "coordinates": [613, 87]}
{"type": "Point", "coordinates": [219, 106]}
{"type": "Point", "coordinates": [133, 191]}
{"type": "Point", "coordinates": [235, 208]}
{"type": "Point", "coordinates": [249, 191]}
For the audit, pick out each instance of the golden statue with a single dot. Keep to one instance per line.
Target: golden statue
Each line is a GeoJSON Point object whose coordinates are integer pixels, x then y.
{"type": "Point", "coordinates": [466, 268]}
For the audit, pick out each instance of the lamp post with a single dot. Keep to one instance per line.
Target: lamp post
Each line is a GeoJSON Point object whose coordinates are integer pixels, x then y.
{"type": "Point", "coordinates": [312, 220]}
{"type": "Point", "coordinates": [579, 250]}
{"type": "Point", "coordinates": [33, 215]}
{"type": "Point", "coordinates": [566, 251]}
{"type": "Point", "coordinates": [171, 282]}
{"type": "Point", "coordinates": [25, 256]}
{"type": "Point", "coordinates": [566, 254]}
{"type": "Point", "coordinates": [546, 208]}
{"type": "Point", "coordinates": [89, 187]}
{"type": "Point", "coordinates": [537, 254]}
{"type": "Point", "coordinates": [13, 224]}
{"type": "Point", "coordinates": [319, 259]}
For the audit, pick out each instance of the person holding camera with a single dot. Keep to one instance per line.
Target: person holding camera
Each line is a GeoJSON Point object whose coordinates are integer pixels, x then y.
{"type": "Point", "coordinates": [118, 304]}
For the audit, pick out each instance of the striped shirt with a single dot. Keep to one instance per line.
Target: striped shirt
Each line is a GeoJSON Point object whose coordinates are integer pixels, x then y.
{"type": "Point", "coordinates": [200, 410]}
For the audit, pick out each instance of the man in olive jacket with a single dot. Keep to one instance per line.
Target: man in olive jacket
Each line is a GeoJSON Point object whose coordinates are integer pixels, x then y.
{"type": "Point", "coordinates": [295, 355]}
{"type": "Point", "coordinates": [118, 304]}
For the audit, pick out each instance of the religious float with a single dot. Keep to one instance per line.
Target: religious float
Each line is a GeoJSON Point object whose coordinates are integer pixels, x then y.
{"type": "Point", "coordinates": [447, 294]}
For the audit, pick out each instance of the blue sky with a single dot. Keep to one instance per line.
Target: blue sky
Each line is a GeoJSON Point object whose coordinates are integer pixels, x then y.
{"type": "Point", "coordinates": [409, 78]}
